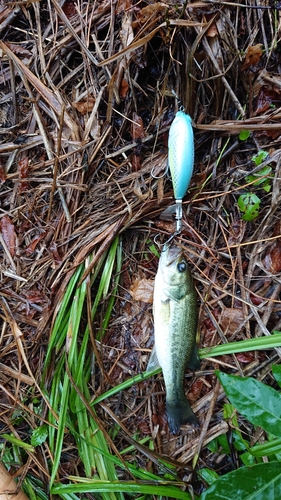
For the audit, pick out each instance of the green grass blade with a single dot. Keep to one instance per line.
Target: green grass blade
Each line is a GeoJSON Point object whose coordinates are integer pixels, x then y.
{"type": "Point", "coordinates": [130, 487]}
{"type": "Point", "coordinates": [268, 342]}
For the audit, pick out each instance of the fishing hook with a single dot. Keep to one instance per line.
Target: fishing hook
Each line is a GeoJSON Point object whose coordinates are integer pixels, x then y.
{"type": "Point", "coordinates": [159, 176]}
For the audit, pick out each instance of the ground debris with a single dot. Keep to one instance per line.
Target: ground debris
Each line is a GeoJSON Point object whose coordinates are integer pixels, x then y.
{"type": "Point", "coordinates": [87, 96]}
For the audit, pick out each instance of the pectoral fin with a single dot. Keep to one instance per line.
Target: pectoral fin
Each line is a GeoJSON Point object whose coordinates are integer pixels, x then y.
{"type": "Point", "coordinates": [194, 362]}
{"type": "Point", "coordinates": [153, 362]}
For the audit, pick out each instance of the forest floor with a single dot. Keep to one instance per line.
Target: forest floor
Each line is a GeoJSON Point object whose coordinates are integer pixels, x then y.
{"type": "Point", "coordinates": [87, 96]}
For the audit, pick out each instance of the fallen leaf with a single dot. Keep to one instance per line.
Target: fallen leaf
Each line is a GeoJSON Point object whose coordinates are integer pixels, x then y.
{"type": "Point", "coordinates": [147, 13]}
{"type": "Point", "coordinates": [144, 428]}
{"type": "Point", "coordinates": [194, 392]}
{"type": "Point", "coordinates": [142, 289]}
{"type": "Point", "coordinates": [36, 296]}
{"type": "Point", "coordinates": [272, 260]}
{"type": "Point", "coordinates": [137, 127]}
{"type": "Point", "coordinates": [236, 231]}
{"type": "Point", "coordinates": [122, 5]}
{"type": "Point", "coordinates": [126, 33]}
{"type": "Point", "coordinates": [124, 87]}
{"type": "Point", "coordinates": [245, 357]}
{"type": "Point", "coordinates": [138, 133]}
{"type": "Point", "coordinates": [54, 250]}
{"type": "Point", "coordinates": [19, 49]}
{"type": "Point", "coordinates": [32, 246]}
{"type": "Point", "coordinates": [265, 100]}
{"type": "Point", "coordinates": [231, 319]}
{"type": "Point", "coordinates": [136, 162]}
{"type": "Point", "coordinates": [23, 173]}
{"type": "Point", "coordinates": [85, 105]}
{"type": "Point", "coordinates": [256, 300]}
{"type": "Point", "coordinates": [69, 9]}
{"type": "Point", "coordinates": [3, 175]}
{"type": "Point", "coordinates": [253, 56]}
{"type": "Point", "coordinates": [7, 229]}
{"type": "Point", "coordinates": [212, 30]}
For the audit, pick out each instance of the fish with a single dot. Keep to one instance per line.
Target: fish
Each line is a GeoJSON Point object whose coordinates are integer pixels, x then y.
{"type": "Point", "coordinates": [175, 328]}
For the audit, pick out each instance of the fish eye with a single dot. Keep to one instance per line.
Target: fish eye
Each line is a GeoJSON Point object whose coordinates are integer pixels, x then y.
{"type": "Point", "coordinates": [182, 267]}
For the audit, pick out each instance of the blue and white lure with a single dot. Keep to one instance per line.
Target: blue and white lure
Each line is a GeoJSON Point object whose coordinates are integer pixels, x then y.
{"type": "Point", "coordinates": [180, 159]}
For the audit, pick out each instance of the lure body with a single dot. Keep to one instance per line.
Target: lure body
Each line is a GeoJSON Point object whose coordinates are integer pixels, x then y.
{"type": "Point", "coordinates": [181, 153]}
{"type": "Point", "coordinates": [180, 158]}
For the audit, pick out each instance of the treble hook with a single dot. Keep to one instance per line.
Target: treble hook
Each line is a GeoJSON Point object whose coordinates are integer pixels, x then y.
{"type": "Point", "coordinates": [160, 245]}
{"type": "Point", "coordinates": [159, 176]}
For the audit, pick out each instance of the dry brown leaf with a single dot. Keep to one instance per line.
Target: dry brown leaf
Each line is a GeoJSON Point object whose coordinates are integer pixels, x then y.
{"type": "Point", "coordinates": [245, 357]}
{"type": "Point", "coordinates": [8, 486]}
{"type": "Point", "coordinates": [7, 229]}
{"type": "Point", "coordinates": [123, 89]}
{"type": "Point", "coordinates": [148, 12]}
{"type": "Point", "coordinates": [23, 165]}
{"type": "Point", "coordinates": [253, 56]}
{"type": "Point", "coordinates": [85, 105]}
{"type": "Point", "coordinates": [231, 319]}
{"type": "Point", "coordinates": [19, 49]}
{"type": "Point", "coordinates": [142, 289]}
{"type": "Point", "coordinates": [137, 128]}
{"type": "Point", "coordinates": [122, 5]}
{"type": "Point", "coordinates": [126, 33]}
{"type": "Point", "coordinates": [272, 260]}
{"type": "Point", "coordinates": [33, 244]}
{"type": "Point", "coordinates": [3, 175]}
{"type": "Point", "coordinates": [212, 30]}
{"type": "Point", "coordinates": [69, 9]}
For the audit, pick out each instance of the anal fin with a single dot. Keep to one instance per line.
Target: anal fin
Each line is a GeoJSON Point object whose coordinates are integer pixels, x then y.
{"type": "Point", "coordinates": [194, 362]}
{"type": "Point", "coordinates": [153, 362]}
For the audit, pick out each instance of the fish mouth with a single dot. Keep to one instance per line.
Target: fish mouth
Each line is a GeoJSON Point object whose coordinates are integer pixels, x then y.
{"type": "Point", "coordinates": [172, 253]}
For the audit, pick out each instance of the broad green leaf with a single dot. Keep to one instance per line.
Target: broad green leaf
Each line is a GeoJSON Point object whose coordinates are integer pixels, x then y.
{"type": "Point", "coordinates": [260, 157]}
{"type": "Point", "coordinates": [208, 475]}
{"type": "Point", "coordinates": [223, 442]}
{"type": "Point", "coordinates": [267, 185]}
{"type": "Point", "coordinates": [249, 203]}
{"type": "Point", "coordinates": [247, 458]}
{"type": "Point", "coordinates": [213, 445]}
{"type": "Point", "coordinates": [260, 180]}
{"type": "Point", "coordinates": [244, 135]}
{"type": "Point", "coordinates": [276, 372]}
{"type": "Point", "coordinates": [259, 482]}
{"type": "Point", "coordinates": [39, 435]}
{"type": "Point", "coordinates": [257, 402]}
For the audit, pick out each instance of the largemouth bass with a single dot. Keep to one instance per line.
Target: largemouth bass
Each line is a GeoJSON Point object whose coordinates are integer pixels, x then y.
{"type": "Point", "coordinates": [175, 326]}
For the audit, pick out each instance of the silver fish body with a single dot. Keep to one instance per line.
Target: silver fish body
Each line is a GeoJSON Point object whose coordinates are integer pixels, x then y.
{"type": "Point", "coordinates": [175, 327]}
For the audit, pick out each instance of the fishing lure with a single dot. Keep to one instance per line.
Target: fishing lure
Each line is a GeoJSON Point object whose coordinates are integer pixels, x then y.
{"type": "Point", "coordinates": [180, 158]}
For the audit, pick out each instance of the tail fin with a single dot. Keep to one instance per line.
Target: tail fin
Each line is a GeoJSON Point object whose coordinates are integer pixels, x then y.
{"type": "Point", "coordinates": [180, 413]}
